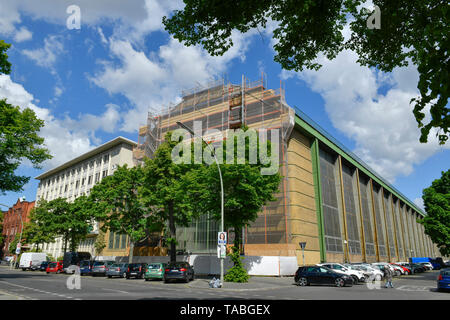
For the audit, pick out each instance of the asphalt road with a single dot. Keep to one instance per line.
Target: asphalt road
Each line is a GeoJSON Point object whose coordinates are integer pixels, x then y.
{"type": "Point", "coordinates": [17, 284]}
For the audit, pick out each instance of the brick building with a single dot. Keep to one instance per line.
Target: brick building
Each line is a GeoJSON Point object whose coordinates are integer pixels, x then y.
{"type": "Point", "coordinates": [13, 221]}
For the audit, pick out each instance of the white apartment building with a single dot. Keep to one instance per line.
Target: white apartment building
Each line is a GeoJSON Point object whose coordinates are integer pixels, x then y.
{"type": "Point", "coordinates": [77, 176]}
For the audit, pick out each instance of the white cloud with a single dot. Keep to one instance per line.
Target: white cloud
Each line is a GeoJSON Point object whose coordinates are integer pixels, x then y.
{"type": "Point", "coordinates": [47, 55]}
{"type": "Point", "coordinates": [419, 202]}
{"type": "Point", "coordinates": [382, 125]}
{"type": "Point", "coordinates": [65, 138]}
{"type": "Point", "coordinates": [152, 80]}
{"type": "Point", "coordinates": [23, 35]}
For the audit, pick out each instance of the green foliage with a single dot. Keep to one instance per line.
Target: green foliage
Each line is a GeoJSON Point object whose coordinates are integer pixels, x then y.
{"type": "Point", "coordinates": [36, 231]}
{"type": "Point", "coordinates": [5, 66]}
{"type": "Point", "coordinates": [61, 218]}
{"type": "Point", "coordinates": [169, 191]}
{"type": "Point", "coordinates": [116, 203]}
{"type": "Point", "coordinates": [99, 243]}
{"type": "Point", "coordinates": [412, 31]}
{"type": "Point", "coordinates": [237, 273]}
{"type": "Point", "coordinates": [436, 199]}
{"type": "Point", "coordinates": [13, 245]}
{"type": "Point", "coordinates": [19, 140]}
{"type": "Point", "coordinates": [246, 190]}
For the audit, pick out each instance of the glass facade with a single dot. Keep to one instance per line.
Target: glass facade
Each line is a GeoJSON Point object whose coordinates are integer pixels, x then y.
{"type": "Point", "coordinates": [331, 220]}
{"type": "Point", "coordinates": [366, 205]}
{"type": "Point", "coordinates": [350, 211]}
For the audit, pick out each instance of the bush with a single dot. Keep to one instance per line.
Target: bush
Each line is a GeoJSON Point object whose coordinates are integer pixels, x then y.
{"type": "Point", "coordinates": [237, 273]}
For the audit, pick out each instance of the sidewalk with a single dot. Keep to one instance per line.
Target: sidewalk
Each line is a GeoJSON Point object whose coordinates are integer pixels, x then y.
{"type": "Point", "coordinates": [255, 283]}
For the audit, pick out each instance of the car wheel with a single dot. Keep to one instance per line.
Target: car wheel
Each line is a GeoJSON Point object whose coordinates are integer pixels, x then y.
{"type": "Point", "coordinates": [124, 275]}
{"type": "Point", "coordinates": [48, 272]}
{"type": "Point", "coordinates": [355, 279]}
{"type": "Point", "coordinates": [378, 277]}
{"type": "Point", "coordinates": [302, 282]}
{"type": "Point", "coordinates": [109, 277]}
{"type": "Point", "coordinates": [339, 282]}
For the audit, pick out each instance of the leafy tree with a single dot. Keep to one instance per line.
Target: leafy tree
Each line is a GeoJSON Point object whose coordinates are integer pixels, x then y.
{"type": "Point", "coordinates": [99, 244]}
{"type": "Point", "coordinates": [170, 191]}
{"type": "Point", "coordinates": [246, 189]}
{"type": "Point", "coordinates": [35, 231]}
{"type": "Point", "coordinates": [5, 65]}
{"type": "Point", "coordinates": [412, 31]}
{"type": "Point", "coordinates": [115, 202]}
{"type": "Point", "coordinates": [19, 137]}
{"type": "Point", "coordinates": [80, 224]}
{"type": "Point", "coordinates": [436, 199]}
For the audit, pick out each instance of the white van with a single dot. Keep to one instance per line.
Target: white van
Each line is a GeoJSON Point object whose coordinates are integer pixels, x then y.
{"type": "Point", "coordinates": [32, 260]}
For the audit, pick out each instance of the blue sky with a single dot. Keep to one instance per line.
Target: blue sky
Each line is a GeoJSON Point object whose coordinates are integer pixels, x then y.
{"type": "Point", "coordinates": [97, 82]}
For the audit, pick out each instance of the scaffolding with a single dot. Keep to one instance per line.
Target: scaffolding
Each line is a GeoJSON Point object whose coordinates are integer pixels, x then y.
{"type": "Point", "coordinates": [223, 105]}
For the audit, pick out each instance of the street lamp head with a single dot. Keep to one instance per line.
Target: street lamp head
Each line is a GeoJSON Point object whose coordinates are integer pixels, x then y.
{"type": "Point", "coordinates": [181, 124]}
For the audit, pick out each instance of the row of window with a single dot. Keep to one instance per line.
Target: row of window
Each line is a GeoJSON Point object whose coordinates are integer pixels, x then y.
{"type": "Point", "coordinates": [379, 215]}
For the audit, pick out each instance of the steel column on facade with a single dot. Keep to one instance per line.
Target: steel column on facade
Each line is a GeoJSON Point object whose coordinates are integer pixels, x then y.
{"type": "Point", "coordinates": [344, 214]}
{"type": "Point", "coordinates": [363, 238]}
{"type": "Point", "coordinates": [394, 223]}
{"type": "Point", "coordinates": [318, 195]}
{"type": "Point", "coordinates": [385, 225]}
{"type": "Point", "coordinates": [374, 221]}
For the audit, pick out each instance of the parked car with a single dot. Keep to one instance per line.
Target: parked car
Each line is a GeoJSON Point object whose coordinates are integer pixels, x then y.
{"type": "Point", "coordinates": [155, 271]}
{"type": "Point", "coordinates": [304, 276]}
{"type": "Point", "coordinates": [418, 268]}
{"type": "Point", "coordinates": [443, 282]}
{"type": "Point", "coordinates": [86, 267]}
{"type": "Point", "coordinates": [405, 269]}
{"type": "Point", "coordinates": [43, 266]}
{"type": "Point", "coordinates": [178, 271]}
{"type": "Point", "coordinates": [427, 265]}
{"type": "Point", "coordinates": [355, 274]}
{"type": "Point", "coordinates": [32, 260]}
{"type": "Point", "coordinates": [55, 267]}
{"type": "Point", "coordinates": [117, 270]}
{"type": "Point", "coordinates": [136, 270]}
{"type": "Point", "coordinates": [100, 267]}
{"type": "Point", "coordinates": [72, 259]}
{"type": "Point", "coordinates": [369, 272]}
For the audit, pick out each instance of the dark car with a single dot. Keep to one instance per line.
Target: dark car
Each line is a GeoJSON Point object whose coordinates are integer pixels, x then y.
{"type": "Point", "coordinates": [136, 270]}
{"type": "Point", "coordinates": [86, 267]}
{"type": "Point", "coordinates": [43, 266]}
{"type": "Point", "coordinates": [305, 276]}
{"type": "Point", "coordinates": [443, 282]}
{"type": "Point", "coordinates": [117, 270]}
{"type": "Point", "coordinates": [100, 267]}
{"type": "Point", "coordinates": [179, 271]}
{"type": "Point", "coordinates": [72, 259]}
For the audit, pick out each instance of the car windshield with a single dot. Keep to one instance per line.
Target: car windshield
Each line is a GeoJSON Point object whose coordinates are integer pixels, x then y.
{"type": "Point", "coordinates": [52, 265]}
{"type": "Point", "coordinates": [154, 266]}
{"type": "Point", "coordinates": [84, 263]}
{"type": "Point", "coordinates": [445, 272]}
{"type": "Point", "coordinates": [99, 263]}
{"type": "Point", "coordinates": [115, 265]}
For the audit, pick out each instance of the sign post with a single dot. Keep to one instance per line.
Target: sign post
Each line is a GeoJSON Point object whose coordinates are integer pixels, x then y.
{"type": "Point", "coordinates": [221, 245]}
{"type": "Point", "coordinates": [302, 246]}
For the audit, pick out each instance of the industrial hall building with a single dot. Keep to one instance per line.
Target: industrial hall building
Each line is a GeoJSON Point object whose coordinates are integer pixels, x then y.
{"type": "Point", "coordinates": [328, 197]}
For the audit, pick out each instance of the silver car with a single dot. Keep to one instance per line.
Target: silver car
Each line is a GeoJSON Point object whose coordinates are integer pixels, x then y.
{"type": "Point", "coordinates": [100, 267]}
{"type": "Point", "coordinates": [117, 270]}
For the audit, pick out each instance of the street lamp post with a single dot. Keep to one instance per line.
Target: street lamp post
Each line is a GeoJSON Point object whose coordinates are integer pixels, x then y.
{"type": "Point", "coordinates": [221, 191]}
